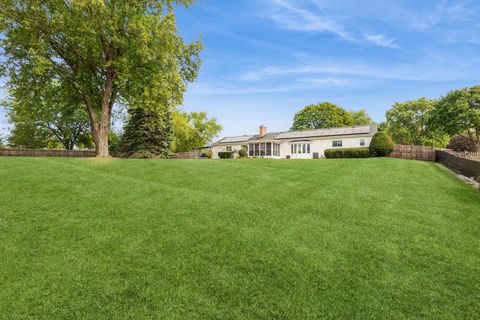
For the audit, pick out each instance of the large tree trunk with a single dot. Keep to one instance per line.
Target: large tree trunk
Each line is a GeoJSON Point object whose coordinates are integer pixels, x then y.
{"type": "Point", "coordinates": [100, 125]}
{"type": "Point", "coordinates": [101, 141]}
{"type": "Point", "coordinates": [102, 144]}
{"type": "Point", "coordinates": [101, 128]}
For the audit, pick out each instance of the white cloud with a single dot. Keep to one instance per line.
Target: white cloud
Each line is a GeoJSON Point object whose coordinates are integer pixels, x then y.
{"type": "Point", "coordinates": [444, 21]}
{"type": "Point", "coordinates": [296, 18]}
{"type": "Point", "coordinates": [446, 12]}
{"type": "Point", "coordinates": [326, 81]}
{"type": "Point", "coordinates": [314, 19]}
{"type": "Point", "coordinates": [435, 70]}
{"type": "Point", "coordinates": [279, 71]}
{"type": "Point", "coordinates": [382, 40]}
{"type": "Point", "coordinates": [302, 84]}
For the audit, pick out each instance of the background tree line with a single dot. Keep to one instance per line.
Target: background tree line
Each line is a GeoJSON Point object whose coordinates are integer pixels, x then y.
{"type": "Point", "coordinates": [452, 120]}
{"type": "Point", "coordinates": [441, 122]}
{"type": "Point", "coordinates": [60, 124]}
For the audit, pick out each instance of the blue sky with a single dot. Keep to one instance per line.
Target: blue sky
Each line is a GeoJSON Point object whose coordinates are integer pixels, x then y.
{"type": "Point", "coordinates": [266, 59]}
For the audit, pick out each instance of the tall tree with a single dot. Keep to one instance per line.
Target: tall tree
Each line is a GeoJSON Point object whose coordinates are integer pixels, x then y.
{"type": "Point", "coordinates": [46, 111]}
{"type": "Point", "coordinates": [322, 115]}
{"type": "Point", "coordinates": [147, 134]}
{"type": "Point", "coordinates": [410, 123]}
{"type": "Point", "coordinates": [458, 113]}
{"type": "Point", "coordinates": [193, 130]}
{"type": "Point", "coordinates": [361, 118]}
{"type": "Point", "coordinates": [105, 52]}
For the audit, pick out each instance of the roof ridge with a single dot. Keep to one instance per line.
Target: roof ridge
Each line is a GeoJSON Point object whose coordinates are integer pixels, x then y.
{"type": "Point", "coordinates": [332, 128]}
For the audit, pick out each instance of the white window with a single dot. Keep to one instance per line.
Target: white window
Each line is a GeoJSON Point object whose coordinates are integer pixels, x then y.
{"type": "Point", "coordinates": [276, 150]}
{"type": "Point", "coordinates": [299, 148]}
{"type": "Point", "coordinates": [362, 142]}
{"type": "Point", "coordinates": [229, 149]}
{"type": "Point", "coordinates": [337, 143]}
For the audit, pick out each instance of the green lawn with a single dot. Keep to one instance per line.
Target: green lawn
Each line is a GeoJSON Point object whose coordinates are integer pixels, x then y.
{"type": "Point", "coordinates": [236, 239]}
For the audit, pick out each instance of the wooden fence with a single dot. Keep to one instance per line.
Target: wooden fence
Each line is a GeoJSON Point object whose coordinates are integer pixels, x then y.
{"type": "Point", "coordinates": [52, 153]}
{"type": "Point", "coordinates": [414, 153]}
{"type": "Point", "coordinates": [80, 154]}
{"type": "Point", "coordinates": [187, 155]}
{"type": "Point", "coordinates": [46, 153]}
{"type": "Point", "coordinates": [467, 167]}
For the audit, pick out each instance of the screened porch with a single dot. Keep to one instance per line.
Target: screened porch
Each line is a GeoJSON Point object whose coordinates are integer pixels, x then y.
{"type": "Point", "coordinates": [264, 149]}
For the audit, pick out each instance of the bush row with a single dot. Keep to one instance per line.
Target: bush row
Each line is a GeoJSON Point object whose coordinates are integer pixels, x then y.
{"type": "Point", "coordinates": [347, 153]}
{"type": "Point", "coordinates": [225, 154]}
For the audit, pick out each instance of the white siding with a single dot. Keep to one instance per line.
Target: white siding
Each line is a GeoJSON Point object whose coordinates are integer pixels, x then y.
{"type": "Point", "coordinates": [316, 145]}
{"type": "Point", "coordinates": [320, 145]}
{"type": "Point", "coordinates": [217, 149]}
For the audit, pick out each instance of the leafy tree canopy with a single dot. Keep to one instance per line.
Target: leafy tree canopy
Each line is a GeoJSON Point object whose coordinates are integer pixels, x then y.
{"type": "Point", "coordinates": [361, 118]}
{"type": "Point", "coordinates": [459, 113]}
{"type": "Point", "coordinates": [322, 115]}
{"type": "Point", "coordinates": [26, 135]}
{"type": "Point", "coordinates": [410, 123]}
{"type": "Point", "coordinates": [104, 52]}
{"type": "Point", "coordinates": [45, 112]}
{"type": "Point", "coordinates": [193, 130]}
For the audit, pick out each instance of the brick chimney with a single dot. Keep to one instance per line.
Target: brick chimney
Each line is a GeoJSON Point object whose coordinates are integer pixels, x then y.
{"type": "Point", "coordinates": [263, 130]}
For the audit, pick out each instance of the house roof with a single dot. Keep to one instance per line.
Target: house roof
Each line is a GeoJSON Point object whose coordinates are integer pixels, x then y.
{"type": "Point", "coordinates": [317, 133]}
{"type": "Point", "coordinates": [344, 131]}
{"type": "Point", "coordinates": [236, 139]}
{"type": "Point", "coordinates": [267, 137]}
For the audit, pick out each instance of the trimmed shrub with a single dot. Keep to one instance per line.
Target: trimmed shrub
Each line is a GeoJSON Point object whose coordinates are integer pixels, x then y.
{"type": "Point", "coordinates": [461, 143]}
{"type": "Point", "coordinates": [207, 154]}
{"type": "Point", "coordinates": [347, 153]}
{"type": "Point", "coordinates": [242, 153]}
{"type": "Point", "coordinates": [381, 145]}
{"type": "Point", "coordinates": [225, 155]}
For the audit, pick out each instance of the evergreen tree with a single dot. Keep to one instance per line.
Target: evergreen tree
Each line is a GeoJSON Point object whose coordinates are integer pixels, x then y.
{"type": "Point", "coordinates": [147, 134]}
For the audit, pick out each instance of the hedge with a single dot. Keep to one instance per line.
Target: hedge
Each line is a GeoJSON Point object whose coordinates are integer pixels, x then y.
{"type": "Point", "coordinates": [225, 155]}
{"type": "Point", "coordinates": [381, 145]}
{"type": "Point", "coordinates": [347, 153]}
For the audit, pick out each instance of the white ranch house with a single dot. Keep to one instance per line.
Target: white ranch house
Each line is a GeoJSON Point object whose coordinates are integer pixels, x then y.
{"type": "Point", "coordinates": [306, 144]}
